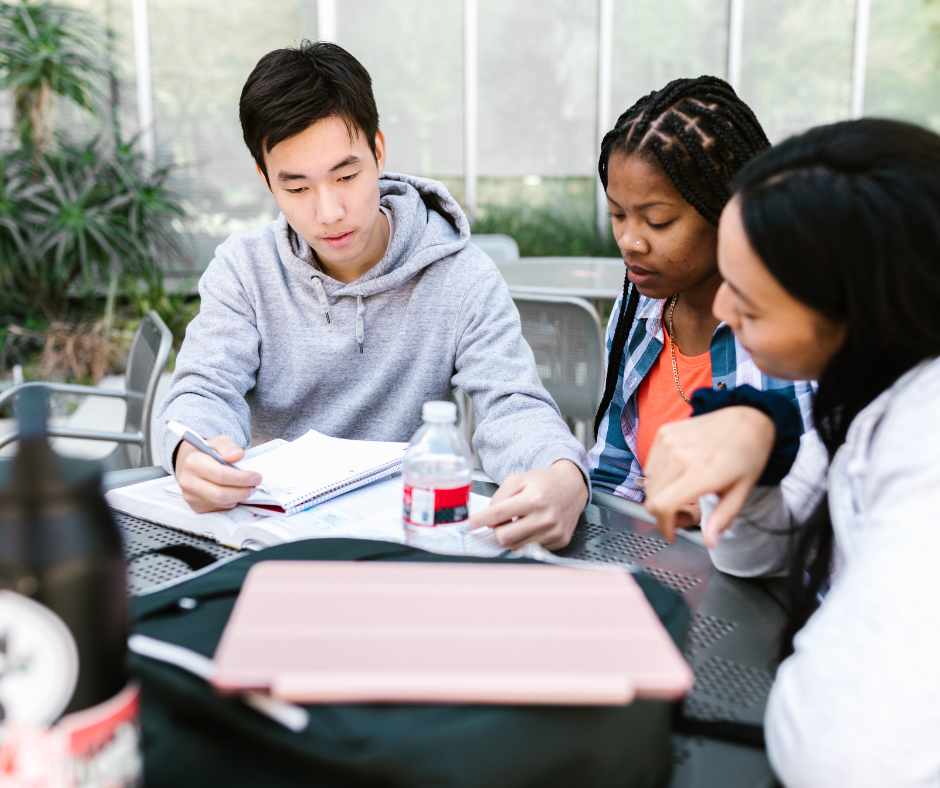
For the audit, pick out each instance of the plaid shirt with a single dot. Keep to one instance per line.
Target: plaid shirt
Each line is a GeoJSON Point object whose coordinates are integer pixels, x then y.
{"type": "Point", "coordinates": [613, 462]}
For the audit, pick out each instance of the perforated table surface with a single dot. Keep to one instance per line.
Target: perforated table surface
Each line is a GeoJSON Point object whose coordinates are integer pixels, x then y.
{"type": "Point", "coordinates": [731, 647]}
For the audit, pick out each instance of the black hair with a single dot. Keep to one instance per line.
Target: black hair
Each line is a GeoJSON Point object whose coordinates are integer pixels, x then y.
{"type": "Point", "coordinates": [701, 134]}
{"type": "Point", "coordinates": [847, 218]}
{"type": "Point", "coordinates": [291, 89]}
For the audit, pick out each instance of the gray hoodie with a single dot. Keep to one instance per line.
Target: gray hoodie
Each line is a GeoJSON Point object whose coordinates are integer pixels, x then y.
{"type": "Point", "coordinates": [279, 348]}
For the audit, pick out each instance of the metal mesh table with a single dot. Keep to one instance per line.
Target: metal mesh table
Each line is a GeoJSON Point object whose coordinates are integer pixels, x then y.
{"type": "Point", "coordinates": [731, 647]}
{"type": "Point", "coordinates": [156, 556]}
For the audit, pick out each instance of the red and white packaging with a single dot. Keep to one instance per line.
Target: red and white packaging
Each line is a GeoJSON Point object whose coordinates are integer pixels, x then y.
{"type": "Point", "coordinates": [94, 748]}
{"type": "Point", "coordinates": [425, 507]}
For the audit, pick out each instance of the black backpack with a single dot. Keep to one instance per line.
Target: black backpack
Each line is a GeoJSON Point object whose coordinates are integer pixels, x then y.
{"type": "Point", "coordinates": [194, 737]}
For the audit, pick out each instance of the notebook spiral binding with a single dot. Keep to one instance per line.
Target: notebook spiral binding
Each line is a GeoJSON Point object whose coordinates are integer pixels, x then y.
{"type": "Point", "coordinates": [322, 494]}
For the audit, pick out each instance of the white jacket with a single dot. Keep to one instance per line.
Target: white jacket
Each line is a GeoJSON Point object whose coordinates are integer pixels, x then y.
{"type": "Point", "coordinates": [858, 703]}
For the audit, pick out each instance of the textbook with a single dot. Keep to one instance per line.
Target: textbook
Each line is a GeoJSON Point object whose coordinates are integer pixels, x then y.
{"type": "Point", "coordinates": [372, 511]}
{"type": "Point", "coordinates": [361, 514]}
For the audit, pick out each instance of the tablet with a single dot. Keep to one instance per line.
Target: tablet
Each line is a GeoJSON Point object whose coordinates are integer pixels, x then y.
{"type": "Point", "coordinates": [393, 632]}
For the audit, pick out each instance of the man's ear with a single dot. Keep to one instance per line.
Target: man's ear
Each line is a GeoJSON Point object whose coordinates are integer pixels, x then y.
{"type": "Point", "coordinates": [264, 177]}
{"type": "Point", "coordinates": [380, 151]}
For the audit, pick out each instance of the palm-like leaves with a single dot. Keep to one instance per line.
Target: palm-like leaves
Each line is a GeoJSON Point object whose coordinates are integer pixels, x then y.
{"type": "Point", "coordinates": [91, 212]}
{"type": "Point", "coordinates": [48, 50]}
{"type": "Point", "coordinates": [76, 215]}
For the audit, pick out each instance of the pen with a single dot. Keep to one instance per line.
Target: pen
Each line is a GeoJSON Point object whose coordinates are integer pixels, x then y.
{"type": "Point", "coordinates": [186, 434]}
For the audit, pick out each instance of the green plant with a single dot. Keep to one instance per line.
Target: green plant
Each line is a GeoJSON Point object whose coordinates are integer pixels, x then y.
{"type": "Point", "coordinates": [75, 219]}
{"type": "Point", "coordinates": [47, 51]}
{"type": "Point", "coordinates": [72, 215]}
{"type": "Point", "coordinates": [547, 232]}
{"type": "Point", "coordinates": [148, 291]}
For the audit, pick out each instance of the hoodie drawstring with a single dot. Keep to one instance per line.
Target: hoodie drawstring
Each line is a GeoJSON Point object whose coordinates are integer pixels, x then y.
{"type": "Point", "coordinates": [325, 306]}
{"type": "Point", "coordinates": [360, 330]}
{"type": "Point", "coordinates": [321, 294]}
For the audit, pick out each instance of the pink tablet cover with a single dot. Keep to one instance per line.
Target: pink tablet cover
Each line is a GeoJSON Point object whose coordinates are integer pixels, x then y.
{"type": "Point", "coordinates": [337, 632]}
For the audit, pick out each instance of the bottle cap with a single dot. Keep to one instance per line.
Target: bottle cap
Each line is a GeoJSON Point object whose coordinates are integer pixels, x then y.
{"type": "Point", "coordinates": [439, 411]}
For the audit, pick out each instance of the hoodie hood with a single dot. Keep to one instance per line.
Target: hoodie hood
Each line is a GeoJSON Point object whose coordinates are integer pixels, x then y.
{"type": "Point", "coordinates": [429, 225]}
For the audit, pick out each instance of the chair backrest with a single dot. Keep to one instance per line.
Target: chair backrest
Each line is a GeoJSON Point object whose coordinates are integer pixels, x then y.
{"type": "Point", "coordinates": [497, 246]}
{"type": "Point", "coordinates": [145, 363]}
{"type": "Point", "coordinates": [566, 338]}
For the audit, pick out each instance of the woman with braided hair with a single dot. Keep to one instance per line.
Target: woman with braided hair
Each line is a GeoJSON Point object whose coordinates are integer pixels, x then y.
{"type": "Point", "coordinates": [667, 168]}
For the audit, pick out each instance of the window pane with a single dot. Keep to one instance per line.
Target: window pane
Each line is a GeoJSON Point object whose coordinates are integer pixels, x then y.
{"type": "Point", "coordinates": [538, 77]}
{"type": "Point", "coordinates": [202, 52]}
{"type": "Point", "coordinates": [655, 43]}
{"type": "Point", "coordinates": [903, 80]}
{"type": "Point", "coordinates": [797, 62]}
{"type": "Point", "coordinates": [413, 50]}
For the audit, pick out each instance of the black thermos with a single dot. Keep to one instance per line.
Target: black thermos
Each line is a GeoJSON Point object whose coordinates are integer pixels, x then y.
{"type": "Point", "coordinates": [60, 546]}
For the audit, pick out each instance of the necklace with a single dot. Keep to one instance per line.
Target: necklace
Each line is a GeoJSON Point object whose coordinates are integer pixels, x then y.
{"type": "Point", "coordinates": [672, 347]}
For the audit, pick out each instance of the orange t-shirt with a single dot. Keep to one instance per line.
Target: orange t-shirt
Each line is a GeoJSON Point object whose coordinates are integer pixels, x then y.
{"type": "Point", "coordinates": [658, 400]}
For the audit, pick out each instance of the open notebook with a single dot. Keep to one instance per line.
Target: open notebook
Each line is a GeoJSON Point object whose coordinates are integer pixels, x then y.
{"type": "Point", "coordinates": [316, 467]}
{"type": "Point", "coordinates": [372, 511]}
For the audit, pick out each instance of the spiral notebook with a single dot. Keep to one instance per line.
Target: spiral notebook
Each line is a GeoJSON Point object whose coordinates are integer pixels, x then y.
{"type": "Point", "coordinates": [316, 467]}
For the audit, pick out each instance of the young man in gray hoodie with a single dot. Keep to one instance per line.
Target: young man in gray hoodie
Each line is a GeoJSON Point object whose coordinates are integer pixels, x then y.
{"type": "Point", "coordinates": [362, 301]}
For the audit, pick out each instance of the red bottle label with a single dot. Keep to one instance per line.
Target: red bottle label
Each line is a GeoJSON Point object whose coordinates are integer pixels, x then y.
{"type": "Point", "coordinates": [436, 507]}
{"type": "Point", "coordinates": [95, 747]}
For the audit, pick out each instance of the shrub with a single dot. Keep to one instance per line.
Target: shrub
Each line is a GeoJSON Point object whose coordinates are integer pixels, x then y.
{"type": "Point", "coordinates": [547, 231]}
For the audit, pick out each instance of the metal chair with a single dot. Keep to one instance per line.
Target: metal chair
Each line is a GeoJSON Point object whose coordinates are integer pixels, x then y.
{"type": "Point", "coordinates": [497, 245]}
{"type": "Point", "coordinates": [568, 344]}
{"type": "Point", "coordinates": [148, 356]}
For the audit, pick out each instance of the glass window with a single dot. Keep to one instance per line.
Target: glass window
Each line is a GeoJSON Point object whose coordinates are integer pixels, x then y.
{"type": "Point", "coordinates": [655, 43]}
{"type": "Point", "coordinates": [201, 53]}
{"type": "Point", "coordinates": [413, 50]}
{"type": "Point", "coordinates": [537, 87]}
{"type": "Point", "coordinates": [902, 75]}
{"type": "Point", "coordinates": [797, 62]}
{"type": "Point", "coordinates": [537, 83]}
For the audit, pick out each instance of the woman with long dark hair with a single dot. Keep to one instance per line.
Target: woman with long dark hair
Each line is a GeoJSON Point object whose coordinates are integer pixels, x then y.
{"type": "Point", "coordinates": [667, 169]}
{"type": "Point", "coordinates": [830, 254]}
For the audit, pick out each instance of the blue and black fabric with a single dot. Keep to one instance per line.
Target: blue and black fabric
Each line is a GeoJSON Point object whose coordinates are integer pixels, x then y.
{"type": "Point", "coordinates": [781, 410]}
{"type": "Point", "coordinates": [194, 737]}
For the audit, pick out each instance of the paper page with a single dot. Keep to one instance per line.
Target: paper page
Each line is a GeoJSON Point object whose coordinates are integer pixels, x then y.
{"type": "Point", "coordinates": [375, 512]}
{"type": "Point", "coordinates": [156, 492]}
{"type": "Point", "coordinates": [370, 512]}
{"type": "Point", "coordinates": [149, 501]}
{"type": "Point", "coordinates": [327, 521]}
{"type": "Point", "coordinates": [376, 497]}
{"type": "Point", "coordinates": [482, 541]}
{"type": "Point", "coordinates": [315, 462]}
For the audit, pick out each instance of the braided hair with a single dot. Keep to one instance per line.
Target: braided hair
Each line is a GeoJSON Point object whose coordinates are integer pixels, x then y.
{"type": "Point", "coordinates": [701, 134]}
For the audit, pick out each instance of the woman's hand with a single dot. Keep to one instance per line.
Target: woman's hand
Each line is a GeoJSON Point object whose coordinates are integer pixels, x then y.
{"type": "Point", "coordinates": [724, 452]}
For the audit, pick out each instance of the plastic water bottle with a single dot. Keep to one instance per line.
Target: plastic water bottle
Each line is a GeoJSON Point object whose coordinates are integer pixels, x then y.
{"type": "Point", "coordinates": [437, 472]}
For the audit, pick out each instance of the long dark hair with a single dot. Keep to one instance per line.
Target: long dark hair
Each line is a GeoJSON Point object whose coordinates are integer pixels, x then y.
{"type": "Point", "coordinates": [847, 218]}
{"type": "Point", "coordinates": [701, 134]}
